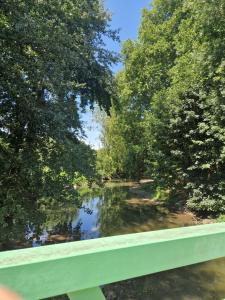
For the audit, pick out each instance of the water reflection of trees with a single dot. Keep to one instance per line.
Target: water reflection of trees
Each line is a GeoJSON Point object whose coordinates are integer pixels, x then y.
{"type": "Point", "coordinates": [53, 217]}
{"type": "Point", "coordinates": [65, 232]}
{"type": "Point", "coordinates": [118, 210]}
{"type": "Point", "coordinates": [111, 208]}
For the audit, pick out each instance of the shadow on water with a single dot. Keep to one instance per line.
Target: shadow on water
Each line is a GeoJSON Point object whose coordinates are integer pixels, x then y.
{"type": "Point", "coordinates": [121, 209]}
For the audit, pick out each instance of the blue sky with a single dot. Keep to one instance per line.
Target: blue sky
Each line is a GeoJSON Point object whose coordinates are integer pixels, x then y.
{"type": "Point", "coordinates": [126, 15]}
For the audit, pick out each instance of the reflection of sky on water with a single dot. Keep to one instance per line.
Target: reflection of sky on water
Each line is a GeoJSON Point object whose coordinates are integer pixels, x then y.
{"type": "Point", "coordinates": [85, 225]}
{"type": "Point", "coordinates": [87, 219]}
{"type": "Point", "coordinates": [36, 241]}
{"type": "Point", "coordinates": [41, 240]}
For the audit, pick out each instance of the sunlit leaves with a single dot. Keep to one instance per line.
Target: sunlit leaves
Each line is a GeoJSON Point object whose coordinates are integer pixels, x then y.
{"type": "Point", "coordinates": [53, 60]}
{"type": "Point", "coordinates": [171, 101]}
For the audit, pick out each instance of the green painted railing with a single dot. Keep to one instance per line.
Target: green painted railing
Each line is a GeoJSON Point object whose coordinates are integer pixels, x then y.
{"type": "Point", "coordinates": [79, 268]}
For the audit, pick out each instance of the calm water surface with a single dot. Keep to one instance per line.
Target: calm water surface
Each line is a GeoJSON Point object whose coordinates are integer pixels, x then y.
{"type": "Point", "coordinates": [121, 209]}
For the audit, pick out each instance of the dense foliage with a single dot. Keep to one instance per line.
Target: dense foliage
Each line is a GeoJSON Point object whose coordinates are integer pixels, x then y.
{"type": "Point", "coordinates": [53, 60]}
{"type": "Point", "coordinates": [169, 118]}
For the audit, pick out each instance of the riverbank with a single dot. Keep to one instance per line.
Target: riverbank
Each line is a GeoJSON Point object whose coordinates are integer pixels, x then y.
{"type": "Point", "coordinates": [153, 196]}
{"type": "Point", "coordinates": [119, 208]}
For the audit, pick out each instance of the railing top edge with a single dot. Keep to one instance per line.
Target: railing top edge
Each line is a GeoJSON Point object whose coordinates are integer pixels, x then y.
{"type": "Point", "coordinates": [61, 251]}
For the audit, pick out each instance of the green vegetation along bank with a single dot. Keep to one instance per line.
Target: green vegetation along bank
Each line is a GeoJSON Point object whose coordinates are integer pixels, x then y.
{"type": "Point", "coordinates": [53, 64]}
{"type": "Point", "coordinates": [168, 115]}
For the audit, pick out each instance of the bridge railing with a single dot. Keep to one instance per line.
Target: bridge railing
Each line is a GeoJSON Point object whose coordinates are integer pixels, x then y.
{"type": "Point", "coordinates": [80, 268]}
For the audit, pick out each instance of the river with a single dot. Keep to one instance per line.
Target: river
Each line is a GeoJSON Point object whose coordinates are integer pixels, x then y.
{"type": "Point", "coordinates": [121, 209]}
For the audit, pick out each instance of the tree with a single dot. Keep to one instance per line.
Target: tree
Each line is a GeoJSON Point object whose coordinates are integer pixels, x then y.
{"type": "Point", "coordinates": [53, 61]}
{"type": "Point", "coordinates": [171, 98]}
{"type": "Point", "coordinates": [144, 76]}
